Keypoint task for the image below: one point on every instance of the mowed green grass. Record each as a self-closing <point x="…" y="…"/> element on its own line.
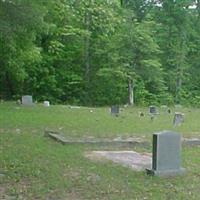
<point x="35" y="167"/>
<point x="96" y="122"/>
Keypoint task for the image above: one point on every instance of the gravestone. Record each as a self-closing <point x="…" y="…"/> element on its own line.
<point x="164" y="109"/>
<point x="153" y="110"/>
<point x="18" y="102"/>
<point x="178" y="119"/>
<point x="166" y="160"/>
<point x="27" y="100"/>
<point x="115" y="110"/>
<point x="178" y="106"/>
<point x="46" y="104"/>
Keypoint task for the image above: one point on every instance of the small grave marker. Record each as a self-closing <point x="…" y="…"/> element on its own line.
<point x="166" y="159"/>
<point x="46" y="104"/>
<point x="27" y="100"/>
<point x="153" y="110"/>
<point x="178" y="119"/>
<point x="178" y="106"/>
<point x="115" y="110"/>
<point x="18" y="102"/>
<point x="164" y="109"/>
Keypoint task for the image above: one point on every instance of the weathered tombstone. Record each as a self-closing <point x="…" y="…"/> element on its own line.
<point x="18" y="102"/>
<point x="46" y="104"/>
<point x="166" y="160"/>
<point x="153" y="110"/>
<point x="27" y="100"/>
<point x="115" y="110"/>
<point x="178" y="106"/>
<point x="178" y="119"/>
<point x="164" y="109"/>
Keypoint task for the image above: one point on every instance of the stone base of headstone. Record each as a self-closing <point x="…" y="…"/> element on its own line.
<point x="166" y="173"/>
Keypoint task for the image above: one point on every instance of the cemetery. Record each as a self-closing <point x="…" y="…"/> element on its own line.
<point x="69" y="152"/>
<point x="99" y="100"/>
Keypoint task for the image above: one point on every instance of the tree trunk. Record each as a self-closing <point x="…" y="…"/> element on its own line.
<point x="87" y="47"/>
<point x="130" y="92"/>
<point x="178" y="85"/>
<point x="180" y="69"/>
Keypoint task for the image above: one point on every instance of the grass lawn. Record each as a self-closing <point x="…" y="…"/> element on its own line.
<point x="35" y="167"/>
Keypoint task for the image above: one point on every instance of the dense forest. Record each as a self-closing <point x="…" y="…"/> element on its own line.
<point x="101" y="52"/>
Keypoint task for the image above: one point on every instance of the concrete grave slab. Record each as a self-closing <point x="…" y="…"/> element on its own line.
<point x="191" y="141"/>
<point x="132" y="159"/>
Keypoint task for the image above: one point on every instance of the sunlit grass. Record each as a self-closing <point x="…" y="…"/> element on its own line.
<point x="97" y="122"/>
<point x="34" y="167"/>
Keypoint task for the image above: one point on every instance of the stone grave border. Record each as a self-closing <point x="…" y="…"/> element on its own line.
<point x="57" y="136"/>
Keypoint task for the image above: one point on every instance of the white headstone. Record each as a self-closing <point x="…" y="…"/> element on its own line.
<point x="178" y="119"/>
<point x="46" y="103"/>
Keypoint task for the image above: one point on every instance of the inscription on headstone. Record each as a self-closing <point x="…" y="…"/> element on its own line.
<point x="27" y="100"/>
<point x="115" y="110"/>
<point x="166" y="159"/>
<point x="178" y="119"/>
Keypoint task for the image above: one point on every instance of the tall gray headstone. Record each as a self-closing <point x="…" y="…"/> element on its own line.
<point x="27" y="100"/>
<point x="115" y="110"/>
<point x="166" y="160"/>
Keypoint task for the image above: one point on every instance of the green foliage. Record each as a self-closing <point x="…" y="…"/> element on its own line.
<point x="87" y="52"/>
<point x="110" y="87"/>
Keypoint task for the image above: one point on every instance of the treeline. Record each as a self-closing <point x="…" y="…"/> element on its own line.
<point x="101" y="52"/>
